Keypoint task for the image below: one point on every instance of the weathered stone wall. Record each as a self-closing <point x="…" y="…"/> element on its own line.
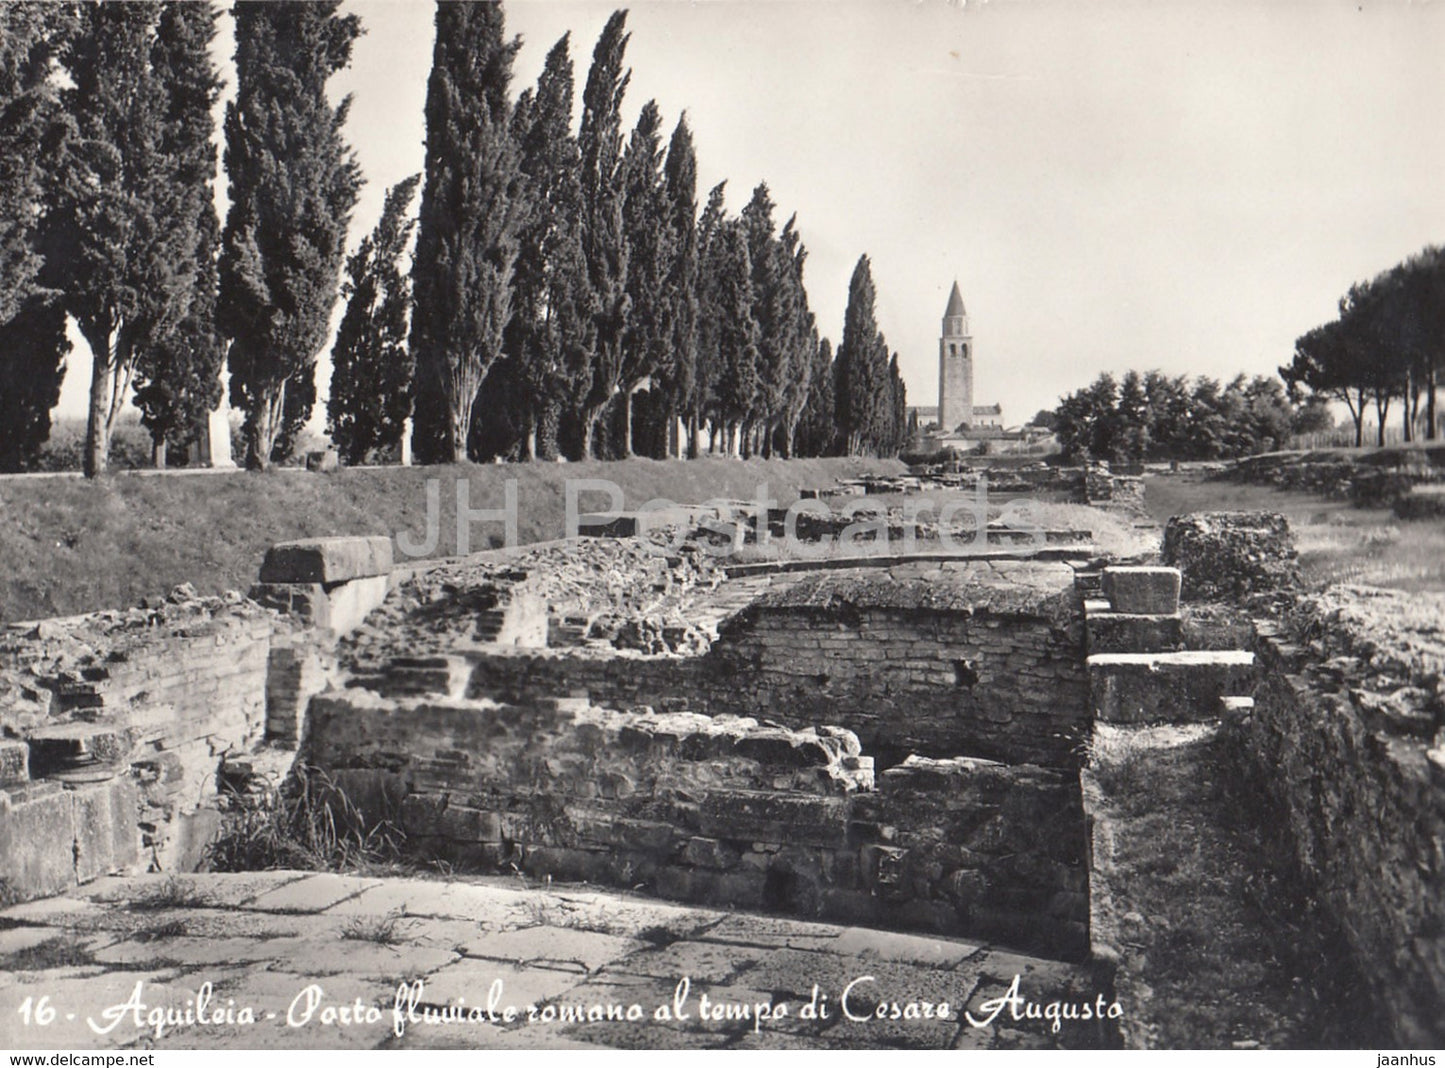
<point x="1370" y="480"/>
<point x="1348" y="735"/>
<point x="1231" y="555"/>
<point x="717" y="810"/>
<point x="123" y="718"/>
<point x="986" y="660"/>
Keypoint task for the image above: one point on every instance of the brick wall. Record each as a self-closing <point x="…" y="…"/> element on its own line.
<point x="911" y="666"/>
<point x="133" y="709"/>
<point x="717" y="810"/>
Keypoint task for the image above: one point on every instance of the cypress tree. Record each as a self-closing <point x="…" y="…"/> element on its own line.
<point x="125" y="219"/>
<point x="861" y="369"/>
<point x="472" y="213"/>
<point x="548" y="331"/>
<point x="648" y="228"/>
<point x="800" y="335"/>
<point x="33" y="342"/>
<point x="371" y="367"/>
<point x="707" y="371"/>
<point x="818" y="425"/>
<point x="178" y="374"/>
<point x="293" y="185"/>
<point x="33" y="345"/>
<point x="679" y="372"/>
<point x="30" y="128"/>
<point x="604" y="237"/>
<point x="737" y="331"/>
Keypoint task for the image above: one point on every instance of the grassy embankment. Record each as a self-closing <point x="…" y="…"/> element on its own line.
<point x="1337" y="542"/>
<point x="75" y="546"/>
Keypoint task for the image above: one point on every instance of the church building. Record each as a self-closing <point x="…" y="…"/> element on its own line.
<point x="957" y="415"/>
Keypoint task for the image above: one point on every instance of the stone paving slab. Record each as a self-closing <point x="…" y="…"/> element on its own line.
<point x="295" y="960"/>
<point x="312" y="894"/>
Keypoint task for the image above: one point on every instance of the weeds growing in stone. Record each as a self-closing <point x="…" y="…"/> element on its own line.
<point x="172" y="893"/>
<point x="59" y="952"/>
<point x="383" y="930"/>
<point x="310" y="823"/>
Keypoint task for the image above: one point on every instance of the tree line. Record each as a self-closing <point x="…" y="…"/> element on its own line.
<point x="1386" y="344"/>
<point x="1155" y="416"/>
<point x="564" y="296"/>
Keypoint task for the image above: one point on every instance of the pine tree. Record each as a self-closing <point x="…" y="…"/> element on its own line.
<point x="371" y="368"/>
<point x="679" y="373"/>
<point x="293" y="185"/>
<point x="547" y="337"/>
<point x="178" y="373"/>
<point x="472" y="213"/>
<point x="861" y="369"/>
<point x="126" y="211"/>
<point x="604" y="237"/>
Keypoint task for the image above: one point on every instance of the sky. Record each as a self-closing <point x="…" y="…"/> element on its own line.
<point x="1186" y="185"/>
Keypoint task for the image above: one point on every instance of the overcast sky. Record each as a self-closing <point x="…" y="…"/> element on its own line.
<point x="1181" y="185"/>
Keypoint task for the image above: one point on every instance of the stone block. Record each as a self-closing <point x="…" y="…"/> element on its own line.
<point x="14" y="762"/>
<point x="710" y="853"/>
<point x="1147" y="591"/>
<point x="1183" y="687"/>
<point x="327" y="560"/>
<point x="37" y="840"/>
<point x="307" y="601"/>
<point x="106" y="836"/>
<point x="352" y="601"/>
<point x="764" y="816"/>
<point x="1115" y="632"/>
<point x="78" y="749"/>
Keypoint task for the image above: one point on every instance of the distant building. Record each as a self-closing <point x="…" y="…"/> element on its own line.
<point x="957" y="417"/>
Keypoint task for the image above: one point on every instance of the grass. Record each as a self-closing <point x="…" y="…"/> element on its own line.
<point x="383" y="930"/>
<point x="75" y="546"/>
<point x="311" y="824"/>
<point x="58" y="952"/>
<point x="172" y="893"/>
<point x="1337" y="542"/>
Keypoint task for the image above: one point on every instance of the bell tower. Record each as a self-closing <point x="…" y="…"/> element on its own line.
<point x="955" y="367"/>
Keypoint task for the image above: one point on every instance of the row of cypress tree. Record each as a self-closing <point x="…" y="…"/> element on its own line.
<point x="564" y="296"/>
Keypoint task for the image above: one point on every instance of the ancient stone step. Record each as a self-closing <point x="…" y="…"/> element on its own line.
<point x="1121" y="632"/>
<point x="1181" y="687"/>
<point x="1143" y="590"/>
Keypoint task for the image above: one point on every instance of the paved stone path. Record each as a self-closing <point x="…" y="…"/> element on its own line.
<point x="284" y="960"/>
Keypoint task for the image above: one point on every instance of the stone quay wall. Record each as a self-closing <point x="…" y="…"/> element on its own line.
<point x="115" y="725"/>
<point x="717" y="810"/>
<point x="1347" y="735"/>
<point x="909" y="666"/>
